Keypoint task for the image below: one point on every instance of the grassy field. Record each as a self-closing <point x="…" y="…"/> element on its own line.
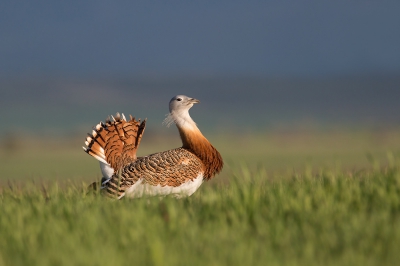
<point x="282" y="199"/>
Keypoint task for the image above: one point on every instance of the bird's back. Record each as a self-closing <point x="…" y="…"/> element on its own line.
<point x="177" y="172"/>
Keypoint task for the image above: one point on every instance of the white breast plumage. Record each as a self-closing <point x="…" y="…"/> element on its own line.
<point x="143" y="189"/>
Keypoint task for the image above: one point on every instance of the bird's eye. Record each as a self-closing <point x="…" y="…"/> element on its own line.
<point x="179" y="99"/>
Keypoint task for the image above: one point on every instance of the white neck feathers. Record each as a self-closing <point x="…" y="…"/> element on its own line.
<point x="182" y="120"/>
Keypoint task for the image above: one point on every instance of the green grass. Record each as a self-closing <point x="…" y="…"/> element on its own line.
<point x="313" y="203"/>
<point x="303" y="219"/>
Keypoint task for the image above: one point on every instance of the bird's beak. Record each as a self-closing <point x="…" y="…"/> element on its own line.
<point x="194" y="100"/>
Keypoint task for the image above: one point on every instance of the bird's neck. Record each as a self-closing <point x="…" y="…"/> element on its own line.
<point x="192" y="138"/>
<point x="194" y="141"/>
<point x="190" y="134"/>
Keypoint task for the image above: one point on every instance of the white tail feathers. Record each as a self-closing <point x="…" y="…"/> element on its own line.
<point x="106" y="170"/>
<point x="100" y="157"/>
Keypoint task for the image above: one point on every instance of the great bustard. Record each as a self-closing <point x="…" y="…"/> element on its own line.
<point x="178" y="172"/>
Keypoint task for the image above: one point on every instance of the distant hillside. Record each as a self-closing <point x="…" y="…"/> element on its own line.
<point x="55" y="104"/>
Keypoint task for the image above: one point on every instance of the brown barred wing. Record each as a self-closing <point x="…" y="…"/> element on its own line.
<point x="171" y="168"/>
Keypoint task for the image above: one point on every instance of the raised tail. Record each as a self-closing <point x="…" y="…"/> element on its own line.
<point x="115" y="142"/>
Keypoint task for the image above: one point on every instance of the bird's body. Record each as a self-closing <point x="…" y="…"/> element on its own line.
<point x="178" y="172"/>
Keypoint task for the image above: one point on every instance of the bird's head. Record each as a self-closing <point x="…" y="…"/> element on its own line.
<point x="181" y="103"/>
<point x="179" y="111"/>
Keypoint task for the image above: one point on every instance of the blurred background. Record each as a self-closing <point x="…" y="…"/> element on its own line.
<point x="281" y="83"/>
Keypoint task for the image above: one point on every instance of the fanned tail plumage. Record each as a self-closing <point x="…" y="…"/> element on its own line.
<point x="116" y="141"/>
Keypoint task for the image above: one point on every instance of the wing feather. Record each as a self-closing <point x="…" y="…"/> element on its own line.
<point x="169" y="168"/>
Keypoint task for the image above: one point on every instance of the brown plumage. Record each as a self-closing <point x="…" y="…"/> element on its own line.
<point x="178" y="172"/>
<point x="115" y="142"/>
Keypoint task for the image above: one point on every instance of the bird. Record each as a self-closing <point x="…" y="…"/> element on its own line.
<point x="177" y="172"/>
